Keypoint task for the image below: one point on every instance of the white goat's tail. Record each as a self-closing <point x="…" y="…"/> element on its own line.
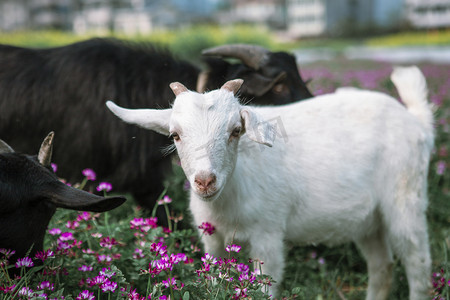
<point x="412" y="88"/>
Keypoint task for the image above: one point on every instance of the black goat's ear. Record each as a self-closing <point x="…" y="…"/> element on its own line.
<point x="68" y="197"/>
<point x="45" y="152"/>
<point x="5" y="148"/>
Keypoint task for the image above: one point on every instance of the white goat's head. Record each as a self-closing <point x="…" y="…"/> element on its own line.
<point x="206" y="129"/>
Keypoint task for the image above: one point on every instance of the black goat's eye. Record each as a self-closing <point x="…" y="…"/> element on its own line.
<point x="236" y="132"/>
<point x="175" y="136"/>
<point x="279" y="88"/>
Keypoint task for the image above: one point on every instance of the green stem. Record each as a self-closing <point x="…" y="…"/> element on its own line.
<point x="166" y="207"/>
<point x="149" y="282"/>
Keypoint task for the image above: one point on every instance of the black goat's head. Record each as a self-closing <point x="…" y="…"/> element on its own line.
<point x="30" y="192"/>
<point x="269" y="77"/>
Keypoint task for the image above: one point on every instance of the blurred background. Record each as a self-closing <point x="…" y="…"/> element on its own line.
<point x="329" y="27"/>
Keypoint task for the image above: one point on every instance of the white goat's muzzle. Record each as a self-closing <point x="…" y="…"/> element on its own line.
<point x="205" y="184"/>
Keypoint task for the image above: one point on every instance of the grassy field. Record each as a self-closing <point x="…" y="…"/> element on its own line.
<point x="122" y="243"/>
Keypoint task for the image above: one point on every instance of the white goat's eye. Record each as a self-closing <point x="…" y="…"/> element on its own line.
<point x="175" y="136"/>
<point x="236" y="132"/>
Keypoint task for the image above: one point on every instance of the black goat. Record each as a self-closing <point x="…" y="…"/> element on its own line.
<point x="66" y="89"/>
<point x="30" y="192"/>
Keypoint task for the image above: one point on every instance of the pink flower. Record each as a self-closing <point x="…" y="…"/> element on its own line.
<point x="43" y="255"/>
<point x="55" y="231"/>
<point x="233" y="248"/>
<point x="89" y="174"/>
<point x="46" y="285"/>
<point x="85" y="268"/>
<point x="86" y="295"/>
<point x="66" y="236"/>
<point x="54" y="167"/>
<point x="24" y="262"/>
<point x="84" y="216"/>
<point x="441" y="166"/>
<point x="169" y="282"/>
<point x="165" y="200"/>
<point x="208" y="229"/>
<point x="108" y="242"/>
<point x="104" y="186"/>
<point x="108" y="286"/>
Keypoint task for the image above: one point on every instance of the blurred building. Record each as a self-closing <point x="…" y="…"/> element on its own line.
<point x="428" y="14"/>
<point x="269" y="13"/>
<point x="338" y="17"/>
<point x="296" y="18"/>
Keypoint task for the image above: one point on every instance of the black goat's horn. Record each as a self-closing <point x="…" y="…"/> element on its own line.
<point x="251" y="55"/>
<point x="45" y="152"/>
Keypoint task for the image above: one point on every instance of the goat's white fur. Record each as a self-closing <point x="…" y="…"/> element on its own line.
<point x="351" y="166"/>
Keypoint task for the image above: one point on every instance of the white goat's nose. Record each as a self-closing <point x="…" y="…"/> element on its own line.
<point x="205" y="182"/>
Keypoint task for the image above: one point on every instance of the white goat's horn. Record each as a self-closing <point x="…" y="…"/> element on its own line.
<point x="45" y="152"/>
<point x="178" y="88"/>
<point x="5" y="148"/>
<point x="233" y="85"/>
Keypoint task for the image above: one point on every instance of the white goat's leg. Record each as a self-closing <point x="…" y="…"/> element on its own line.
<point x="269" y="248"/>
<point x="379" y="264"/>
<point x="411" y="245"/>
<point x="214" y="244"/>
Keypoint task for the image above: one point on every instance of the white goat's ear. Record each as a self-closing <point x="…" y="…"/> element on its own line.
<point x="256" y="128"/>
<point x="153" y="119"/>
<point x="5" y="148"/>
<point x="232" y="85"/>
<point x="178" y="88"/>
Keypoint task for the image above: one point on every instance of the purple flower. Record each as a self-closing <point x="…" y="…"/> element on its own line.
<point x="7" y="252"/>
<point x="243" y="268"/>
<point x="209" y="259"/>
<point x="43" y="255"/>
<point x="26" y="291"/>
<point x="108" y="242"/>
<point x="84" y="216"/>
<point x="86" y="295"/>
<point x="54" y="167"/>
<point x="169" y="282"/>
<point x="46" y="285"/>
<point x="104" y="186"/>
<point x="208" y="229"/>
<point x="24" y="262"/>
<point x="440" y="168"/>
<point x="233" y="248"/>
<point x="66" y="236"/>
<point x="89" y="174"/>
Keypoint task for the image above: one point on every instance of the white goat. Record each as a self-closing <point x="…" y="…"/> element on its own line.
<point x="348" y="166"/>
